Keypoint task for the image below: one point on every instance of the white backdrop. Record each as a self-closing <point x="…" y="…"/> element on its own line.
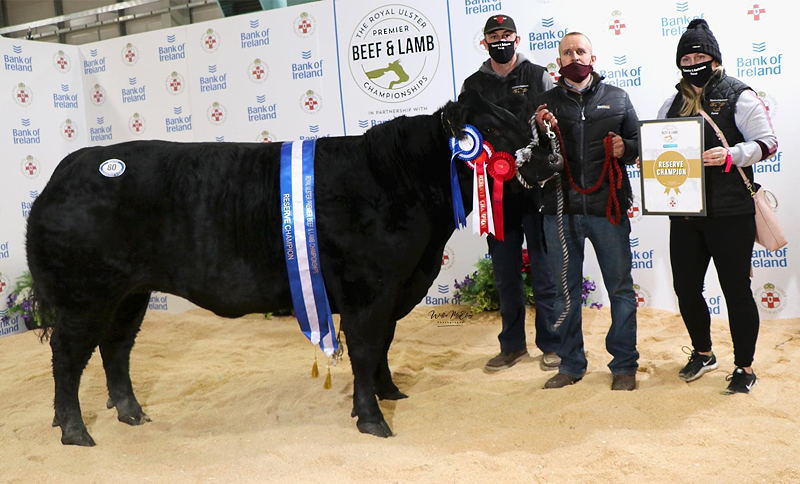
<point x="338" y="67"/>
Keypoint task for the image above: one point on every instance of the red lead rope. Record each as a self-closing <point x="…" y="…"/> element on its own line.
<point x="611" y="170"/>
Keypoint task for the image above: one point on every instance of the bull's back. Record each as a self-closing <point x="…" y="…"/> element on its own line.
<point x="194" y="219"/>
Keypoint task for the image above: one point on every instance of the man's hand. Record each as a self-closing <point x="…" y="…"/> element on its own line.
<point x="542" y="115"/>
<point x="618" y="147"/>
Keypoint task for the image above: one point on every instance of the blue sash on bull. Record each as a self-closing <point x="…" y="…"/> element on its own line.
<point x="300" y="245"/>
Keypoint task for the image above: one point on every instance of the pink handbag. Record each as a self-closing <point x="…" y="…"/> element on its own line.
<point x="769" y="233"/>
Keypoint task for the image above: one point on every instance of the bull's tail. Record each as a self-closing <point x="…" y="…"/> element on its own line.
<point x="43" y="318"/>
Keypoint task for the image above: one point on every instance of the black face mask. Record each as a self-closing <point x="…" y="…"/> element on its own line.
<point x="501" y="51"/>
<point x="698" y="74"/>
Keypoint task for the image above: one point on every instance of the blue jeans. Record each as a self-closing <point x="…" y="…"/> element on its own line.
<point x="612" y="247"/>
<point x="506" y="263"/>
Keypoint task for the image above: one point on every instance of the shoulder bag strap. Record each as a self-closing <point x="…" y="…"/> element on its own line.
<point x="724" y="141"/>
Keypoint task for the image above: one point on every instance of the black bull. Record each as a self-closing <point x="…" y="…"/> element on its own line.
<point x="202" y="221"/>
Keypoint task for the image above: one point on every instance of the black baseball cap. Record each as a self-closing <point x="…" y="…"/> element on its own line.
<point x="499" y="22"/>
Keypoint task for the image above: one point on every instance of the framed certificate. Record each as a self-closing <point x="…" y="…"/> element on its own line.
<point x="672" y="166"/>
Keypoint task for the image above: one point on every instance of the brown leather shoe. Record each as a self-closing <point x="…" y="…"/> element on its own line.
<point x="561" y="380"/>
<point x="505" y="360"/>
<point x="624" y="382"/>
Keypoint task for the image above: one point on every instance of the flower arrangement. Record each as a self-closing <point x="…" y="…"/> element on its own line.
<point x="478" y="290"/>
<point x="21" y="302"/>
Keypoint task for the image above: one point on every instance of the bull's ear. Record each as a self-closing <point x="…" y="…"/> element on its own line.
<point x="471" y="99"/>
<point x="454" y="116"/>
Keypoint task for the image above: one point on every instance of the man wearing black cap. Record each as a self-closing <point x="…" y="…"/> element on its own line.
<point x="505" y="74"/>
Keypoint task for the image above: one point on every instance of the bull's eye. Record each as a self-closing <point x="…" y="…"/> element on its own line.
<point x="491" y="131"/>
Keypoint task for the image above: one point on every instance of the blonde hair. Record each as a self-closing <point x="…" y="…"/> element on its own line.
<point x="693" y="100"/>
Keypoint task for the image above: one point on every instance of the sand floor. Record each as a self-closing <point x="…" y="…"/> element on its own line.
<point x="232" y="401"/>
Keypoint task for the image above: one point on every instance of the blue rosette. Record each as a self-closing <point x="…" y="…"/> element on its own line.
<point x="466" y="148"/>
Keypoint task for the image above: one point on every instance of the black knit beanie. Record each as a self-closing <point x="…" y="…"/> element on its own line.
<point x="698" y="38"/>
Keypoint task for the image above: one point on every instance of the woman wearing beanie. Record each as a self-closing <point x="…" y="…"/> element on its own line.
<point x="727" y="233"/>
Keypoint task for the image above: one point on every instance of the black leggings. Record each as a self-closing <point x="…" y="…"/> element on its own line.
<point x="693" y="241"/>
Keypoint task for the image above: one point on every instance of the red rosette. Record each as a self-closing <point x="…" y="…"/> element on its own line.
<point x="502" y="166"/>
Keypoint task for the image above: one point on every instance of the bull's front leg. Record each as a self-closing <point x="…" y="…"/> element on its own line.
<point x="366" y="354"/>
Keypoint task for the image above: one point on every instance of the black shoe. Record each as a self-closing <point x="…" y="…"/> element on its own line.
<point x="624" y="382"/>
<point x="561" y="380"/>
<point x="505" y="360"/>
<point x="697" y="366"/>
<point x="740" y="381"/>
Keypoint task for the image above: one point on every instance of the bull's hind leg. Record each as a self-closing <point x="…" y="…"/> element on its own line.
<point x="116" y="350"/>
<point x="384" y="385"/>
<point x="365" y="346"/>
<point x="72" y="343"/>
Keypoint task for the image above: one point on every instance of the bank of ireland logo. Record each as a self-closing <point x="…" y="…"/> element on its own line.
<point x="770" y="298"/>
<point x="4" y="286"/>
<point x="130" y="54"/>
<point x="98" y="95"/>
<point x="22" y="94"/>
<point x="635" y="210"/>
<point x="68" y="130"/>
<point x="448" y="258"/>
<point x="769" y="103"/>
<point x="756" y="12"/>
<point x="393" y="53"/>
<point x="61" y="61"/>
<point x="616" y="26"/>
<point x="310" y="102"/>
<point x="552" y="69"/>
<point x="210" y="41"/>
<point x="265" y="137"/>
<point x="641" y="296"/>
<point x="217" y="113"/>
<point x="175" y="83"/>
<point x="476" y="42"/>
<point x="30" y="167"/>
<point x="304" y="25"/>
<point x="257" y="71"/>
<point x="136" y="124"/>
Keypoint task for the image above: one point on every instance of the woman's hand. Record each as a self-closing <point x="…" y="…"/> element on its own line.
<point x="716" y="156"/>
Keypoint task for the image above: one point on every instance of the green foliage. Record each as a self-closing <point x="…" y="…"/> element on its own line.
<point x="479" y="292"/>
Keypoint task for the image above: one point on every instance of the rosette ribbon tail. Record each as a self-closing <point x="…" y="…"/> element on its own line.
<point x="501" y="168"/>
<point x="459" y="216"/>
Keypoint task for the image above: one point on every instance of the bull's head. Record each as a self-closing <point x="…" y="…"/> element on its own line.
<point x="498" y="125"/>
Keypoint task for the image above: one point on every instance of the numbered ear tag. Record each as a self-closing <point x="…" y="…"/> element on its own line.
<point x="112" y="168"/>
<point x="470" y="145"/>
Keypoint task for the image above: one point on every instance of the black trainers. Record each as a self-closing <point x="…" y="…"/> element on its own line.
<point x="698" y="365"/>
<point x="505" y="360"/>
<point x="740" y="381"/>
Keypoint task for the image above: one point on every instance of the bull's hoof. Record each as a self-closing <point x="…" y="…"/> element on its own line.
<point x="110" y="403"/>
<point x="394" y="394"/>
<point x="134" y="419"/>
<point x="77" y="437"/>
<point x="379" y="429"/>
<point x="57" y="422"/>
